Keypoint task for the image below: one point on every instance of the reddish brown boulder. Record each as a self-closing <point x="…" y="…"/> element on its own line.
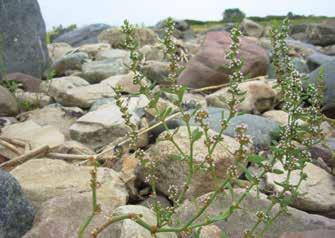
<point x="29" y="83"/>
<point x="207" y="67"/>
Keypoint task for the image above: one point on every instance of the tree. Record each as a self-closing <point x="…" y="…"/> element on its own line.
<point x="233" y="15"/>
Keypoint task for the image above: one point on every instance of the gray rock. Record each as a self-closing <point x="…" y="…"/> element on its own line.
<point x="84" y="35"/>
<point x="23" y="36"/>
<point x="157" y="72"/>
<point x="317" y="59"/>
<point x="69" y="62"/>
<point x="16" y="211"/>
<point x="259" y="128"/>
<point x="183" y="29"/>
<point x="8" y="104"/>
<point x="329" y="80"/>
<point x="97" y="71"/>
<point x="316" y="34"/>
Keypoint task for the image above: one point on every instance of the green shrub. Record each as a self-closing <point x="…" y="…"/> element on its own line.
<point x="292" y="157"/>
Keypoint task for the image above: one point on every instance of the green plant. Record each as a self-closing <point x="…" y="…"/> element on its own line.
<point x="285" y="153"/>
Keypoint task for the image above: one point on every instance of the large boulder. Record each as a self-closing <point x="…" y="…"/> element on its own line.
<point x="24" y="35"/>
<point x="16" y="211"/>
<point x="171" y="171"/>
<point x="84" y="35"/>
<point x="206" y="68"/>
<point x="329" y="80"/>
<point x="244" y="218"/>
<point x="43" y="179"/>
<point x="116" y="38"/>
<point x="8" y="104"/>
<point x="316" y="34"/>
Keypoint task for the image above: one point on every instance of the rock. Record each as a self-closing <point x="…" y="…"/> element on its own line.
<point x="130" y="229"/>
<point x="309" y="234"/>
<point x="161" y="199"/>
<point x="84" y="35"/>
<point x="97" y="71"/>
<point x="211" y="231"/>
<point x="277" y="115"/>
<point x="190" y="100"/>
<point x="93" y="49"/>
<point x="329" y="50"/>
<point x="62" y="216"/>
<point x="329" y="81"/>
<point x="125" y="81"/>
<point x="259" y="128"/>
<point x="69" y="63"/>
<point x="157" y="72"/>
<point x="74" y="147"/>
<point x="182" y="29"/>
<point x="5" y="121"/>
<point x="100" y="127"/>
<point x="35" y="134"/>
<point x="23" y="48"/>
<point x="85" y="96"/>
<point x="251" y="28"/>
<point x="16" y="212"/>
<point x="316" y="34"/>
<point x="8" y="104"/>
<point x="28" y="101"/>
<point x="317" y="192"/>
<point x="113" y="54"/>
<point x="60" y="88"/>
<point x="303" y="48"/>
<point x="53" y="115"/>
<point x="153" y="52"/>
<point x="116" y="38"/>
<point x="325" y="152"/>
<point x="299" y="64"/>
<point x="205" y="68"/>
<point x="245" y="218"/>
<point x="259" y="97"/>
<point x="29" y="83"/>
<point x="170" y="171"/>
<point x="317" y="59"/>
<point x="58" y="50"/>
<point x="43" y="179"/>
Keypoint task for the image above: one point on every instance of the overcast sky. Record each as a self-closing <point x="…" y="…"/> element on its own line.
<point x="113" y="12"/>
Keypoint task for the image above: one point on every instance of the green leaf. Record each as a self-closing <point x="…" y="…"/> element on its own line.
<point x="277" y="171"/>
<point x="223" y="235"/>
<point x="196" y="135"/>
<point x="257" y="159"/>
<point x="175" y="157"/>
